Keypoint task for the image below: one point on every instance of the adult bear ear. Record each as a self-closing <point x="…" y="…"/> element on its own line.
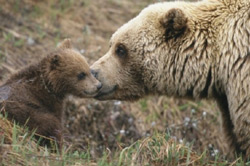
<point x="174" y="22"/>
<point x="65" y="44"/>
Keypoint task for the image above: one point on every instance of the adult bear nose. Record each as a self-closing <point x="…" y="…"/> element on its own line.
<point x="94" y="73"/>
<point x="99" y="86"/>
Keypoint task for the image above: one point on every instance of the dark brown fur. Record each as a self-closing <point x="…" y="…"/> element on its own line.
<point x="34" y="95"/>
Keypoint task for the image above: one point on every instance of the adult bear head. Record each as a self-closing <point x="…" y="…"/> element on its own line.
<point x="142" y="56"/>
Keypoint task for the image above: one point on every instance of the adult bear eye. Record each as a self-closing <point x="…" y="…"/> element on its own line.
<point x="81" y="76"/>
<point x="121" y="51"/>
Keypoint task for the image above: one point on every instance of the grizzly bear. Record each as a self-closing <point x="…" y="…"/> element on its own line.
<point x="34" y="95"/>
<point x="185" y="49"/>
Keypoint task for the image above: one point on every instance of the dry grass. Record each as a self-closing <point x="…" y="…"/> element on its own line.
<point x="19" y="148"/>
<point x="6" y="130"/>
<point x="162" y="150"/>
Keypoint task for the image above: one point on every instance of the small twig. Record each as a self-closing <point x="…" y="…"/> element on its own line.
<point x="9" y="68"/>
<point x="110" y="10"/>
<point x="233" y="163"/>
<point x="14" y="33"/>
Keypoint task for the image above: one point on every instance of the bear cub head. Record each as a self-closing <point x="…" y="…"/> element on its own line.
<point x="65" y="71"/>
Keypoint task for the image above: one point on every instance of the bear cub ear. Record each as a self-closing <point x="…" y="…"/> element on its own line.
<point x="65" y="44"/>
<point x="175" y="23"/>
<point x="54" y="61"/>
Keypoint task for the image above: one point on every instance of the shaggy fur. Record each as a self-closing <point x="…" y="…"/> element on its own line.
<point x="34" y="95"/>
<point x="182" y="49"/>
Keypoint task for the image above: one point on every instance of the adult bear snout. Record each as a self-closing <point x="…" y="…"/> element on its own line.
<point x="99" y="86"/>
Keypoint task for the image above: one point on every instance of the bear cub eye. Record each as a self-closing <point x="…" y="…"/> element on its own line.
<point x="81" y="76"/>
<point x="121" y="51"/>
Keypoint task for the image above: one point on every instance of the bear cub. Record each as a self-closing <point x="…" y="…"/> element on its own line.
<point x="34" y="96"/>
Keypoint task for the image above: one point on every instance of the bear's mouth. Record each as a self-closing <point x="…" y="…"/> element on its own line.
<point x="90" y="94"/>
<point x="105" y="92"/>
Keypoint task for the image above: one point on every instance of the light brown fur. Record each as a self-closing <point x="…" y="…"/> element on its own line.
<point x="195" y="50"/>
<point x="34" y="95"/>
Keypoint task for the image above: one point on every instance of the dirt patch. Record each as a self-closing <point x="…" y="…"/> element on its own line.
<point x="100" y="125"/>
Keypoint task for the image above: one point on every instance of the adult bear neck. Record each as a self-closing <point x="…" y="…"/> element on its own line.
<point x="185" y="69"/>
<point x="235" y="5"/>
